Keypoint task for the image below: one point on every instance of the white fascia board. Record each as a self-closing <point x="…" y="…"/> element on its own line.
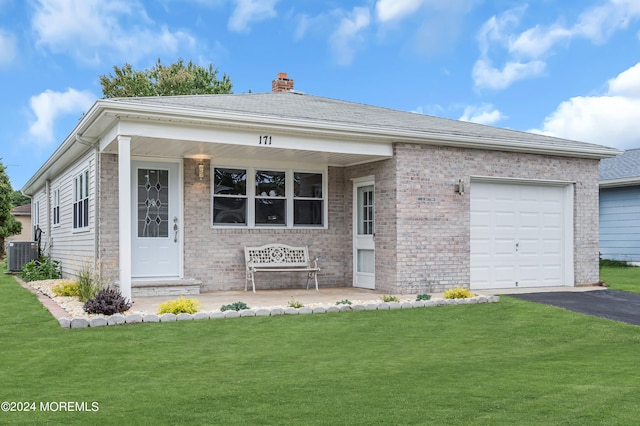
<point x="615" y="183"/>
<point x="251" y="137"/>
<point x="345" y="130"/>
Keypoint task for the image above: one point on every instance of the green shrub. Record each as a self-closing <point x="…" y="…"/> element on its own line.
<point x="180" y="306"/>
<point x="66" y="288"/>
<point x="457" y="293"/>
<point x="343" y="302"/>
<point x="423" y="296"/>
<point x="389" y="298"/>
<point x="235" y="306"/>
<point x="89" y="283"/>
<point x="295" y="303"/>
<point x="107" y="301"/>
<point x="43" y="268"/>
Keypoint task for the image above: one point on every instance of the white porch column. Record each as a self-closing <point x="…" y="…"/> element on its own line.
<point x="124" y="213"/>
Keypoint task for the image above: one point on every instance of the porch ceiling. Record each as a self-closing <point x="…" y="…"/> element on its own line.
<point x="171" y="148"/>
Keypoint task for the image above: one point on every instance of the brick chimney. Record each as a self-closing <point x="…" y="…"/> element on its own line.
<point x="282" y="83"/>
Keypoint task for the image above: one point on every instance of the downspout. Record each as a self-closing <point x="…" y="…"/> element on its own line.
<point x="47" y="192"/>
<point x="96" y="239"/>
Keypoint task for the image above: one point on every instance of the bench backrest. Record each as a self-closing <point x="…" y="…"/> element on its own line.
<point x="276" y="255"/>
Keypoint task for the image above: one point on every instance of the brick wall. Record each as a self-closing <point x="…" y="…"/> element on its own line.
<point x="386" y="255"/>
<point x="433" y="221"/>
<point x="107" y="224"/>
<point x="424" y="247"/>
<point x="216" y="256"/>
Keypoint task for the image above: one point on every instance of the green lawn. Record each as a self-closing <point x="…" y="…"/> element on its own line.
<point x="507" y="363"/>
<point x="624" y="278"/>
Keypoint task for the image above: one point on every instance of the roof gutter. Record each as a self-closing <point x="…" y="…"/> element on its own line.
<point x="621" y="182"/>
<point x="386" y="134"/>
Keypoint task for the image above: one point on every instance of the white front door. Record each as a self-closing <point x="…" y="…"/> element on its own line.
<point x="520" y="235"/>
<point x="155" y="241"/>
<point x="364" y="273"/>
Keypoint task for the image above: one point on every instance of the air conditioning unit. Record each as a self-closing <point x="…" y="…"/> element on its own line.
<point x="20" y="253"/>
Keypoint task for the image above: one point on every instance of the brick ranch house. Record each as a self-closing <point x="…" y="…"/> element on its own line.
<point x="167" y="191"/>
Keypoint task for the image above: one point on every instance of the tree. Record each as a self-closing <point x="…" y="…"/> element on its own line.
<point x="8" y="224"/>
<point x="19" y="199"/>
<point x="162" y="80"/>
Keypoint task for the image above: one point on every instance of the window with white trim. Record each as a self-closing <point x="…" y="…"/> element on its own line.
<point x="55" y="206"/>
<point x="81" y="200"/>
<point x="263" y="197"/>
<point x="36" y="215"/>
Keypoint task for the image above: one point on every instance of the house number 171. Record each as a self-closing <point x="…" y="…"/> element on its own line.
<point x="264" y="140"/>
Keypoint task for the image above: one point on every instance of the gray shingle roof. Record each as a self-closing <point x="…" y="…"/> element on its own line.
<point x="298" y="106"/>
<point x="623" y="166"/>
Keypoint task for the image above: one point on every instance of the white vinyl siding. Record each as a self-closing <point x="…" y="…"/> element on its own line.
<point x="64" y="243"/>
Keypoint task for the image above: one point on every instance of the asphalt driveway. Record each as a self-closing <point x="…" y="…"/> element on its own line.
<point x="610" y="304"/>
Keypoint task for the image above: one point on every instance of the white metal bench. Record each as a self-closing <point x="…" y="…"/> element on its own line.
<point x="279" y="258"/>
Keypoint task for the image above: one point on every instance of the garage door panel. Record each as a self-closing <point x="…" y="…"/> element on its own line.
<point x="517" y="236"/>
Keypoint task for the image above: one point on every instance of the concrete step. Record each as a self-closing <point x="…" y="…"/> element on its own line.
<point x="177" y="287"/>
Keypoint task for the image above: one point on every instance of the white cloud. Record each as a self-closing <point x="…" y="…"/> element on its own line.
<point x="344" y="39"/>
<point x="49" y="105"/>
<point x="612" y="119"/>
<point x="248" y="11"/>
<point x="390" y="10"/>
<point x="8" y="48"/>
<point x="525" y="51"/>
<point x="536" y="42"/>
<point x="482" y="114"/>
<point x="487" y="76"/>
<point x="600" y="22"/>
<point x="94" y="30"/>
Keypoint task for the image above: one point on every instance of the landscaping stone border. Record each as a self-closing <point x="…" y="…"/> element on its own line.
<point x="136" y="318"/>
<point x="118" y="319"/>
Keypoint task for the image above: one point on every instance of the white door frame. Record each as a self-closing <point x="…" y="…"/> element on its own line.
<point x="177" y="211"/>
<point x="363" y="242"/>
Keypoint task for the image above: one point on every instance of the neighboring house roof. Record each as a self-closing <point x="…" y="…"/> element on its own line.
<point x="21" y="210"/>
<point x="303" y="114"/>
<point x="623" y="170"/>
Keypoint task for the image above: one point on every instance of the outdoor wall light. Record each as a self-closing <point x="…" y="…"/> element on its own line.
<point x="200" y="171"/>
<point x="460" y="187"/>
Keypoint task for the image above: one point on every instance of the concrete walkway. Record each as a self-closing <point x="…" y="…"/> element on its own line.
<point x="264" y="298"/>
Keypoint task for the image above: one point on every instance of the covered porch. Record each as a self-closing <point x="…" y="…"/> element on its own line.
<point x="195" y="150"/>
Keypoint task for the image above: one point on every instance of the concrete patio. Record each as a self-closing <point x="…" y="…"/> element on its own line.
<point x="267" y="298"/>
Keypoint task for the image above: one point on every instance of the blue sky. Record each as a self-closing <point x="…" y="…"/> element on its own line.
<point x="569" y="68"/>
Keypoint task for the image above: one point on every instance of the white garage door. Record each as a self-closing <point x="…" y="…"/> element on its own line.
<point x="519" y="236"/>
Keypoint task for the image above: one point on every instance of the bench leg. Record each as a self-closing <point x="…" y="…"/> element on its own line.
<point x="253" y="283"/>
<point x="315" y="277"/>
